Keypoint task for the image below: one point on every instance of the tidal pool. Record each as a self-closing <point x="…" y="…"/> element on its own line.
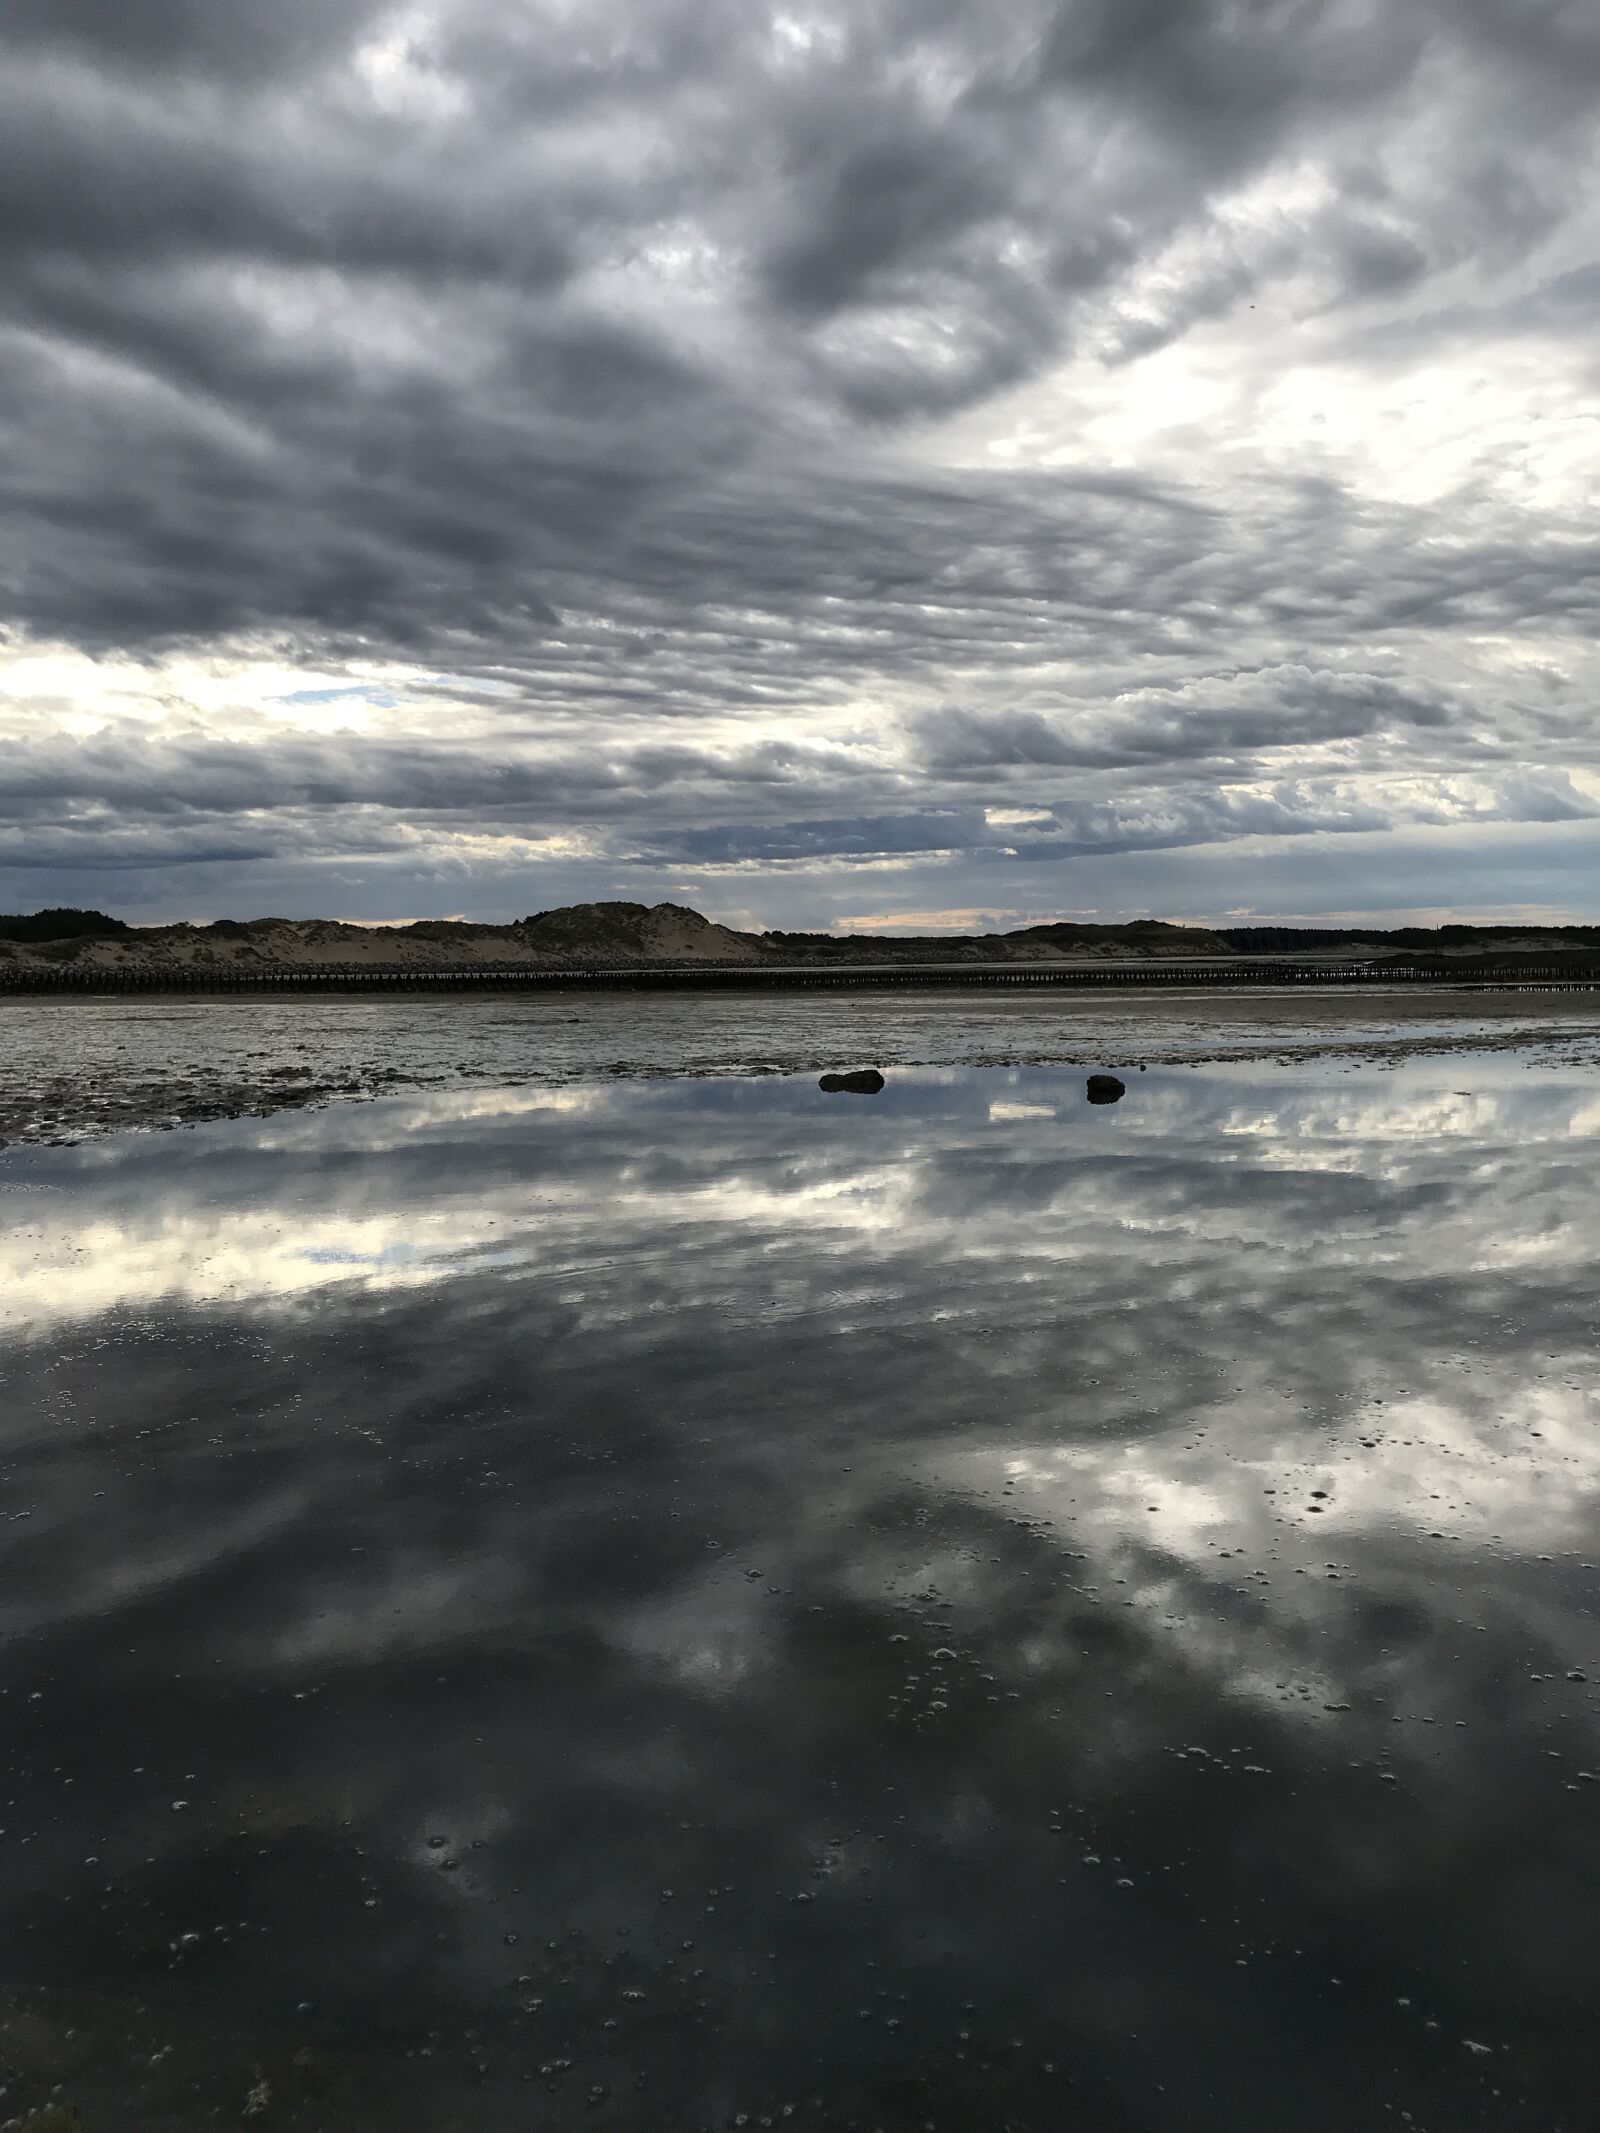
<point x="698" y="1603"/>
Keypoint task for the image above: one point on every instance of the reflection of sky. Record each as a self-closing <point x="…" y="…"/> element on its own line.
<point x="1201" y="1157"/>
<point x="889" y="1503"/>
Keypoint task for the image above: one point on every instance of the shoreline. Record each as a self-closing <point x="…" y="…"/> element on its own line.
<point x="156" y="1065"/>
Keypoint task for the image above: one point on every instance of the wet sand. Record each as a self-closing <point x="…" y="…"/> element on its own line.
<point x="71" y="1069"/>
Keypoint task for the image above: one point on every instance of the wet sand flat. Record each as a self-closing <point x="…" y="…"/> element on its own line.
<point x="74" y="1067"/>
<point x="671" y="1603"/>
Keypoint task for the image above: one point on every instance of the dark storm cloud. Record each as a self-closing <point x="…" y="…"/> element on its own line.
<point x="223" y="37"/>
<point x="565" y="351"/>
<point x="203" y="775"/>
<point x="1216" y="715"/>
<point x="873" y="835"/>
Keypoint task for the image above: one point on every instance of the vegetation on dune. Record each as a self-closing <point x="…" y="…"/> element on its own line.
<point x="1269" y="940"/>
<point x="625" y="933"/>
<point x="60" y="925"/>
<point x="452" y="929"/>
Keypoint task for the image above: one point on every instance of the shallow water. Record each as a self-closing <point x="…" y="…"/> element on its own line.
<point x="697" y="1603"/>
<point x="71" y="1067"/>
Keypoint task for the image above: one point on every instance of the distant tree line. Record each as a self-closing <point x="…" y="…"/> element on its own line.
<point x="59" y="925"/>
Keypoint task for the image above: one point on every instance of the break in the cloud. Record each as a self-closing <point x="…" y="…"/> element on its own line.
<point x="871" y="456"/>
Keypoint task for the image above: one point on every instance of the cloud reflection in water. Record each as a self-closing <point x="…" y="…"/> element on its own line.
<point x="853" y="1575"/>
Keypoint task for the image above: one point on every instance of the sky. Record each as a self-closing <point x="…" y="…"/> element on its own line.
<point x="898" y="463"/>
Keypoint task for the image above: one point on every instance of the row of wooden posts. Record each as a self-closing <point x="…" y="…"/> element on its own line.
<point x="1559" y="975"/>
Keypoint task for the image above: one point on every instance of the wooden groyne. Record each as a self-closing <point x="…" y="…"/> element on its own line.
<point x="1544" y="975"/>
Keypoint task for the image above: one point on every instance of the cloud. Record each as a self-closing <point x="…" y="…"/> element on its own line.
<point x="1291" y="706"/>
<point x="221" y="38"/>
<point x="895" y="403"/>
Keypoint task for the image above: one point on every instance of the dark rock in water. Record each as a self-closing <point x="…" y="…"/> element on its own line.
<point x="1106" y="1089"/>
<point x="865" y="1081"/>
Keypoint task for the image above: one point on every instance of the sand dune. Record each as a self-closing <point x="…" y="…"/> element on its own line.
<point x="619" y="935"/>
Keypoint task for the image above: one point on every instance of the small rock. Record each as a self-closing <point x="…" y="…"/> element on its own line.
<point x="1106" y="1089"/>
<point x="862" y="1081"/>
